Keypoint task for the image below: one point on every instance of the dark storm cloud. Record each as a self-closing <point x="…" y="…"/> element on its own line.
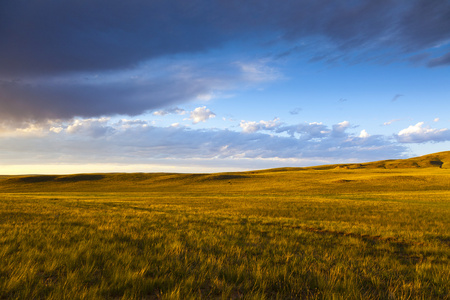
<point x="57" y="38"/>
<point x="425" y="23"/>
<point x="62" y="36"/>
<point x="39" y="101"/>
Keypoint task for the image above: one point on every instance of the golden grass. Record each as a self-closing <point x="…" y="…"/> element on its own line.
<point x="316" y="233"/>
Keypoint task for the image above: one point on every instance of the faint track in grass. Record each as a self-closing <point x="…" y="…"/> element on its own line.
<point x="365" y="237"/>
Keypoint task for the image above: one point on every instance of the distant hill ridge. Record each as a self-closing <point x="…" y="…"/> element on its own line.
<point x="407" y="173"/>
<point x="78" y="182"/>
<point x="439" y="160"/>
<point x="434" y="160"/>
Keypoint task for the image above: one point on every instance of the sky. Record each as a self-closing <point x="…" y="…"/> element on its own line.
<point x="220" y="85"/>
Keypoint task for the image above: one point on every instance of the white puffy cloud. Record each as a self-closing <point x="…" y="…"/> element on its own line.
<point x="252" y="126"/>
<point x="56" y="129"/>
<point x="32" y="129"/>
<point x="364" y="134"/>
<point x="201" y="114"/>
<point x="89" y="127"/>
<point x="340" y="128"/>
<point x="420" y="134"/>
<point x="306" y="130"/>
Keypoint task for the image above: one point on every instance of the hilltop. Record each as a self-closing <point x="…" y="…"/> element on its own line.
<point x="434" y="160"/>
<point x="439" y="159"/>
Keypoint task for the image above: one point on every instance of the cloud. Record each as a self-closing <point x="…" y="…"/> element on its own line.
<point x="390" y="122"/>
<point x="68" y="97"/>
<point x="90" y="36"/>
<point x="136" y="141"/>
<point x="201" y="114"/>
<point x="205" y="97"/>
<point x="443" y="60"/>
<point x="258" y="71"/>
<point x="174" y="110"/>
<point x="420" y="134"/>
<point x="85" y="59"/>
<point x="88" y="127"/>
<point x="395" y="98"/>
<point x="306" y="131"/>
<point x="340" y="128"/>
<point x="419" y="59"/>
<point x="364" y="134"/>
<point x="295" y="111"/>
<point x="130" y="123"/>
<point x="251" y="126"/>
<point x="153" y="86"/>
<point x="312" y="132"/>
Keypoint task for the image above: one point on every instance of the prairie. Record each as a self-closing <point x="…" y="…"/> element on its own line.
<point x="377" y="230"/>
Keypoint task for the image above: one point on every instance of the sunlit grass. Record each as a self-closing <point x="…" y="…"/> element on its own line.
<point x="371" y="234"/>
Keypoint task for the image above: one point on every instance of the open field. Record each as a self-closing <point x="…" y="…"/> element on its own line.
<point x="372" y="231"/>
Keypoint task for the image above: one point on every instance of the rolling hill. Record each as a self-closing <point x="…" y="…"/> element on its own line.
<point x="270" y="180"/>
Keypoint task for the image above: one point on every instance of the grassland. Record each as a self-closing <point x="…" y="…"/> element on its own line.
<point x="373" y="231"/>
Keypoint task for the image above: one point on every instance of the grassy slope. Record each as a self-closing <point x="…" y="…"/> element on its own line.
<point x="376" y="230"/>
<point x="286" y="179"/>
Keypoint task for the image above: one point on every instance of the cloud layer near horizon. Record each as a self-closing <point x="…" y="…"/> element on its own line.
<point x="262" y="144"/>
<point x="139" y="141"/>
<point x="74" y="40"/>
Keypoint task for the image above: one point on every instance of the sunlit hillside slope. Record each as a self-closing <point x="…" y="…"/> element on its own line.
<point x="439" y="160"/>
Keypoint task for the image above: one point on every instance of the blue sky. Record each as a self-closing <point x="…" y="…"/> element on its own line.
<point x="208" y="86"/>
